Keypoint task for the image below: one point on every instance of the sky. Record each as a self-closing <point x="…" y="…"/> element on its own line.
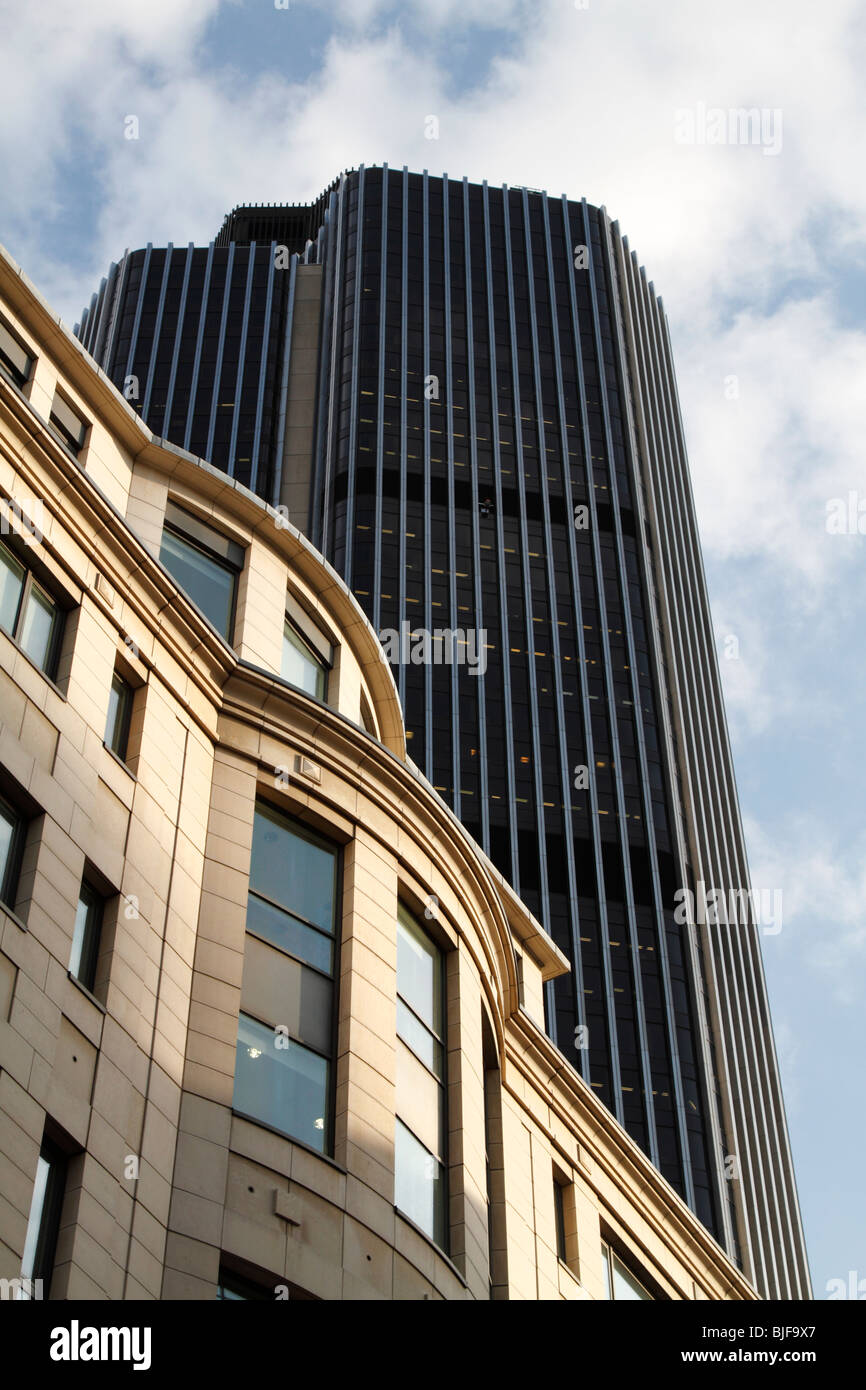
<point x="757" y="246"/>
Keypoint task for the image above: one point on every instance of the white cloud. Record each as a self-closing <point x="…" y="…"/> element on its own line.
<point x="585" y="105"/>
<point x="824" y="898"/>
<point x="774" y="423"/>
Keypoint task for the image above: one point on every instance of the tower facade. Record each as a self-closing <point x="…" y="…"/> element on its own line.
<point x="465" y="397"/>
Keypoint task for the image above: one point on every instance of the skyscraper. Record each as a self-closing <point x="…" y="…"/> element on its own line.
<point x="465" y="396"/>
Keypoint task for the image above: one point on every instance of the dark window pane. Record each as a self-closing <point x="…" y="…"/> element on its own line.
<point x="559" y="1211"/>
<point x="15" y="361"/>
<point x="40" y="1242"/>
<point x="232" y="1287"/>
<point x="11" y="584"/>
<point x="119" y="709"/>
<point x="85" y="936"/>
<point x="10" y="825"/>
<point x="67" y="424"/>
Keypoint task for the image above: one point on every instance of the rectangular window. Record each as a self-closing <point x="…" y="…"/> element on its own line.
<point x="43" y="1224"/>
<point x="367" y="720"/>
<point x="559" y="1214"/>
<point x="420" y="1165"/>
<point x="281" y="1083"/>
<point x="565" y="1220"/>
<point x="258" y="1287"/>
<point x="292" y="893"/>
<point x="619" y="1281"/>
<point x="284" y="1067"/>
<point x="119" y="713"/>
<point x="67" y="424"/>
<point x="235" y="1288"/>
<point x="11" y="845"/>
<point x="16" y="363"/>
<point x="301" y="665"/>
<point x="28" y="613"/>
<point x="204" y="564"/>
<point x="86" y="935"/>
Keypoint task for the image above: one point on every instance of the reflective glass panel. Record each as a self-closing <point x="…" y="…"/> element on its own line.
<point x="300" y="665"/>
<point x="11" y="582"/>
<point x="117" y="724"/>
<point x="281" y="1083"/>
<point x="297" y="873"/>
<point x="285" y="931"/>
<point x="7" y="836"/>
<point x="419" y="972"/>
<point x="419" y="1188"/>
<point x="37" y="627"/>
<point x="209" y="584"/>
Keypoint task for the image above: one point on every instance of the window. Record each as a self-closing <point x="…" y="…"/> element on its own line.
<point x="283" y="1068"/>
<point x="205" y="565"/>
<point x="86" y="935"/>
<point x="292" y="889"/>
<point x="28" y="613"/>
<point x="119" y="712"/>
<point x="620" y="1283"/>
<point x="493" y="1160"/>
<point x="367" y="720"/>
<point x="257" y="1287"/>
<point x="11" y="846"/>
<point x="233" y="1287"/>
<point x="559" y="1214"/>
<point x="302" y="666"/>
<point x="16" y="363"/>
<point x="565" y="1220"/>
<point x="420" y="1138"/>
<point x="281" y="1083"/>
<point x="67" y="424"/>
<point x="43" y="1224"/>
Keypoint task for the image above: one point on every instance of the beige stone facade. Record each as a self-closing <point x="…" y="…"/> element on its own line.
<point x="133" y="1078"/>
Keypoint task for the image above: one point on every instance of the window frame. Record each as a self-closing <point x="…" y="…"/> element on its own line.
<point x="301" y="642"/>
<point x="124" y="720"/>
<point x="60" y="428"/>
<point x="368" y="723"/>
<point x="559" y="1192"/>
<point x="441" y="1039"/>
<point x="43" y="1221"/>
<point x="12" y="868"/>
<point x="303" y="832"/>
<point x="91" y="935"/>
<point x="29" y="581"/>
<point x="306" y="833"/>
<point x="610" y="1255"/>
<point x="257" y="1293"/>
<point x="8" y="370"/>
<point x="223" y="552"/>
<point x="326" y="1151"/>
<point x="262" y="1285"/>
<point x="565" y="1219"/>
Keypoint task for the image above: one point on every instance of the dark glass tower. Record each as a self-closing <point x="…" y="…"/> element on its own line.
<point x="465" y="396"/>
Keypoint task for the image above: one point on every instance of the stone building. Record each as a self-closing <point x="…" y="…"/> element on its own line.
<point x="271" y="1023"/>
